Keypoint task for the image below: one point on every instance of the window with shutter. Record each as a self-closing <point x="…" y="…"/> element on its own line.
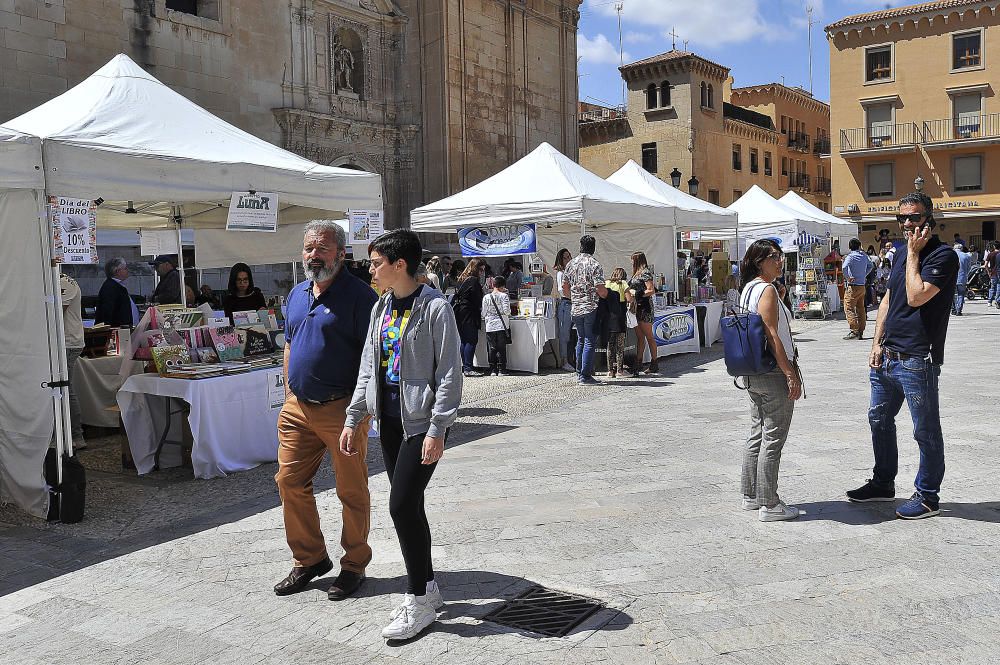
<point x="968" y="109"/>
<point x="880" y="179"/>
<point x="968" y="173"/>
<point x="880" y="122"/>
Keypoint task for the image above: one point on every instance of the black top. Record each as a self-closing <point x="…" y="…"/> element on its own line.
<point x="616" y="309"/>
<point x="114" y="306"/>
<point x="168" y="291"/>
<point x="251" y="301"/>
<point x="390" y="340"/>
<point x="468" y="303"/>
<point x="918" y="331"/>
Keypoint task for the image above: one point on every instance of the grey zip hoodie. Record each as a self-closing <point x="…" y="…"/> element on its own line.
<point x="430" y="367"/>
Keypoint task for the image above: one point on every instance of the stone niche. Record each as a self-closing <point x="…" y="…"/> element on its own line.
<point x="347" y="62"/>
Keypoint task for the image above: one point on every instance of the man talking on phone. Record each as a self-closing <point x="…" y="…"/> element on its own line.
<point x="906" y="357"/>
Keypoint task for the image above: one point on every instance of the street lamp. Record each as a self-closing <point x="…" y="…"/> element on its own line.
<point x="675" y="177"/>
<point x="918" y="183"/>
<point x="693" y="186"/>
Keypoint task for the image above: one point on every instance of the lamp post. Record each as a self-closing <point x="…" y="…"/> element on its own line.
<point x="693" y="186"/>
<point x="675" y="177"/>
<point x="918" y="184"/>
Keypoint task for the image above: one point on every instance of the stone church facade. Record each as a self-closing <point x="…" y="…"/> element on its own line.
<point x="435" y="95"/>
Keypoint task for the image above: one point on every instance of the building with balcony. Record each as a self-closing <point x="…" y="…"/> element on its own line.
<point x="684" y="117"/>
<point x="913" y="100"/>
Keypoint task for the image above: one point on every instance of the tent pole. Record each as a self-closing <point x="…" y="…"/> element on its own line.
<point x="295" y="274"/>
<point x="176" y="213"/>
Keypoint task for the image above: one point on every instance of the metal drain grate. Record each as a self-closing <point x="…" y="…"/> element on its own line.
<point x="544" y="611"/>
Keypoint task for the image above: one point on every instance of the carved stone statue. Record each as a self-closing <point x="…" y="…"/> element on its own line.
<point x="343" y="60"/>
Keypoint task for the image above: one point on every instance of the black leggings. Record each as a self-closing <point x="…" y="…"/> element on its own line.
<point x="408" y="479"/>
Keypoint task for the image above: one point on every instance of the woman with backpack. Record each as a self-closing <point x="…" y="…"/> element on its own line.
<point x="468" y="304"/>
<point x="772" y="395"/>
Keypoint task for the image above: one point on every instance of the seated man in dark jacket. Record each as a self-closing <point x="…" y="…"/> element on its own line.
<point x="114" y="305"/>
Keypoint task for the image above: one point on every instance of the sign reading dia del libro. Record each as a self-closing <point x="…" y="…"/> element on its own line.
<point x="253" y="211"/>
<point x="74" y="229"/>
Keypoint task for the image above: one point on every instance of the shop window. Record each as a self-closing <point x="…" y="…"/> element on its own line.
<point x="966" y="50"/>
<point x="649" y="157"/>
<point x="737" y="157"/>
<point x="704" y="94"/>
<point x="968" y="173"/>
<point x="651" y="96"/>
<point x="879" y="179"/>
<point x="713" y="196"/>
<point x="736" y="195"/>
<point x="878" y="63"/>
<point x="665" y="93"/>
<point x="767" y="163"/>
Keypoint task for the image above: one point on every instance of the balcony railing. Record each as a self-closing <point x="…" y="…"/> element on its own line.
<point x="798" y="181"/>
<point x="798" y="141"/>
<point x="597" y="115"/>
<point x="879" y="136"/>
<point x="966" y="127"/>
<point x="822" y="185"/>
<point x="821" y="146"/>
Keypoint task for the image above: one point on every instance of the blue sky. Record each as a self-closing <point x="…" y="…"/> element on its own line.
<point x="759" y="40"/>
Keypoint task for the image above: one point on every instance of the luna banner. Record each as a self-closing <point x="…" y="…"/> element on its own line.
<point x="502" y="240"/>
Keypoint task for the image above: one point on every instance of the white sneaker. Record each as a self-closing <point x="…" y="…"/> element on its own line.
<point x="410" y="618"/>
<point x="750" y="503"/>
<point x="778" y="513"/>
<point x="434" y="598"/>
<point x="568" y="368"/>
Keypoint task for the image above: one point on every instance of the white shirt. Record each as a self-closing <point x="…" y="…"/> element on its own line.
<point x="560" y="280"/>
<point x="496" y="322"/>
<point x="751" y="298"/>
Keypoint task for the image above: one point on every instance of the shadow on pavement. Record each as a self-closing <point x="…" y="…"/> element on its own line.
<point x="846" y="512"/>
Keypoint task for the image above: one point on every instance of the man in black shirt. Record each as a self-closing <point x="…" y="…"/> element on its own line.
<point x="906" y="357"/>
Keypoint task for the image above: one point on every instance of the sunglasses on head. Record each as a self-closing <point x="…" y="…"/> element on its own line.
<point x="913" y="217"/>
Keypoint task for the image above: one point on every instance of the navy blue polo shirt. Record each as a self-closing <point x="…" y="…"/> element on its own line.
<point x="326" y="336"/>
<point x="919" y="331"/>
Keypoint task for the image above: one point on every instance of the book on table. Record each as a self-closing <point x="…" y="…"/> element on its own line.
<point x="227" y="342"/>
<point x="169" y="357"/>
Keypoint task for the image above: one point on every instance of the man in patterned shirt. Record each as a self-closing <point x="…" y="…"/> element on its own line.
<point x="585" y="279"/>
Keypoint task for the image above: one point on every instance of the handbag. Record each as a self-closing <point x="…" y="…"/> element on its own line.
<point x="631" y="321"/>
<point x="745" y="340"/>
<point x="506" y="329"/>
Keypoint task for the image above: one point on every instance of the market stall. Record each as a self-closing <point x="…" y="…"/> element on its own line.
<point x="528" y="339"/>
<point x="675" y="329"/>
<point x="148" y="158"/>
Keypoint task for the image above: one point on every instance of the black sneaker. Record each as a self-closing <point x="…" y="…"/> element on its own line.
<point x="872" y="491"/>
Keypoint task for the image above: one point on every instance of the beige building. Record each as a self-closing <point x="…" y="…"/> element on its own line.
<point x="683" y="116"/>
<point x="435" y="95"/>
<point x="914" y="100"/>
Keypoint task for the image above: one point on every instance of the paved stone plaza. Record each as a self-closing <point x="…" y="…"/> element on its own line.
<point x="627" y="493"/>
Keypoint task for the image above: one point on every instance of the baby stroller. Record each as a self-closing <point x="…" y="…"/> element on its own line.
<point x="979" y="283"/>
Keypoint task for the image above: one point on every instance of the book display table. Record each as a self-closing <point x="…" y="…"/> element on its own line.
<point x="528" y="336"/>
<point x="233" y="419"/>
<point x="675" y="330"/>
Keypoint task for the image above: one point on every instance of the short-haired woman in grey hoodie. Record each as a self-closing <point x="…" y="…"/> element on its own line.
<point x="410" y="381"/>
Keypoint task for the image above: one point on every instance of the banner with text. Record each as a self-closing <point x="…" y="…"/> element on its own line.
<point x="365" y="226"/>
<point x="503" y="240"/>
<point x="74" y="229"/>
<point x="253" y="212"/>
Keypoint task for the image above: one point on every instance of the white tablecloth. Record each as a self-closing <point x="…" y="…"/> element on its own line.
<point x="233" y="419"/>
<point x="95" y="384"/>
<point x="675" y="330"/>
<point x="528" y="343"/>
<point x="713" y="321"/>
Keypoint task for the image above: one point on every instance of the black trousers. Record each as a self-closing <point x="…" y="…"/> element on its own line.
<point x="408" y="479"/>
<point x="496" y="348"/>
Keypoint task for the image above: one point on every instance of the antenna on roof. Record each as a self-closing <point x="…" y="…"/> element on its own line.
<point x="673" y="42"/>
<point x="809" y="25"/>
<point x="621" y="49"/>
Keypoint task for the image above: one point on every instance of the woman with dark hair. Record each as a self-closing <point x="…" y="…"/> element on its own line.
<point x="242" y="295"/>
<point x="564" y="307"/>
<point x="772" y="395"/>
<point x="643" y="289"/>
<point x="468" y="304"/>
<point x="451" y="280"/>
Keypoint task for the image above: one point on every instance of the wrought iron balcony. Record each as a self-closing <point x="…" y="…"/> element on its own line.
<point x="603" y="113"/>
<point x="821" y="146"/>
<point x="966" y="128"/>
<point x="798" y="181"/>
<point x="879" y="137"/>
<point x="823" y="185"/>
<point x="798" y="141"/>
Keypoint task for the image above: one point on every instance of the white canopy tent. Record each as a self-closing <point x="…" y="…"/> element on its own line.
<point x="839" y="228"/>
<point x="565" y="201"/>
<point x="763" y="216"/>
<point x="122" y="136"/>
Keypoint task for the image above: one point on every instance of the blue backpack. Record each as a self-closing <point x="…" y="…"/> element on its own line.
<point x="745" y="341"/>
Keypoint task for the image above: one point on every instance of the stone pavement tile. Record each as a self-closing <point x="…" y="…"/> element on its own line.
<point x="12" y="622"/>
<point x="181" y="647"/>
<point x="118" y="628"/>
<point x="17" y="600"/>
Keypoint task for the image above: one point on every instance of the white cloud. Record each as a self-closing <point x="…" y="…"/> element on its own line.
<point x="711" y="23"/>
<point x="598" y="51"/>
<point x="633" y="37"/>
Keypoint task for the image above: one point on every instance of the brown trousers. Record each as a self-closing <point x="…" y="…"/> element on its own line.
<point x="305" y="432"/>
<point x="854" y="308"/>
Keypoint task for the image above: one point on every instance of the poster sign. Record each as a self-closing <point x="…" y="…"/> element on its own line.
<point x="74" y="229"/>
<point x="275" y="389"/>
<point x="690" y="236"/>
<point x="505" y="240"/>
<point x="674" y="327"/>
<point x="359" y="221"/>
<point x="153" y="243"/>
<point x="786" y="235"/>
<point x="257" y="211"/>
<point x="376" y="225"/>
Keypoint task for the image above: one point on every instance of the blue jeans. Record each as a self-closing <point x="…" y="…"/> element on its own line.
<point x="586" y="342"/>
<point x="468" y="333"/>
<point x="994" y="288"/>
<point x="564" y="322"/>
<point x="916" y="381"/>
<point x="960" y="291"/>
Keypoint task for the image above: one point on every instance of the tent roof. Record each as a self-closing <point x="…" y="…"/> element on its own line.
<point x="123" y="135"/>
<point x="20" y="161"/>
<point x="793" y="200"/>
<point x="690" y="212"/>
<point x="758" y="209"/>
<point x="544" y="187"/>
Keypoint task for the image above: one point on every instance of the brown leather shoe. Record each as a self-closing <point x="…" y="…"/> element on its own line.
<point x="345" y="585"/>
<point x="301" y="576"/>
